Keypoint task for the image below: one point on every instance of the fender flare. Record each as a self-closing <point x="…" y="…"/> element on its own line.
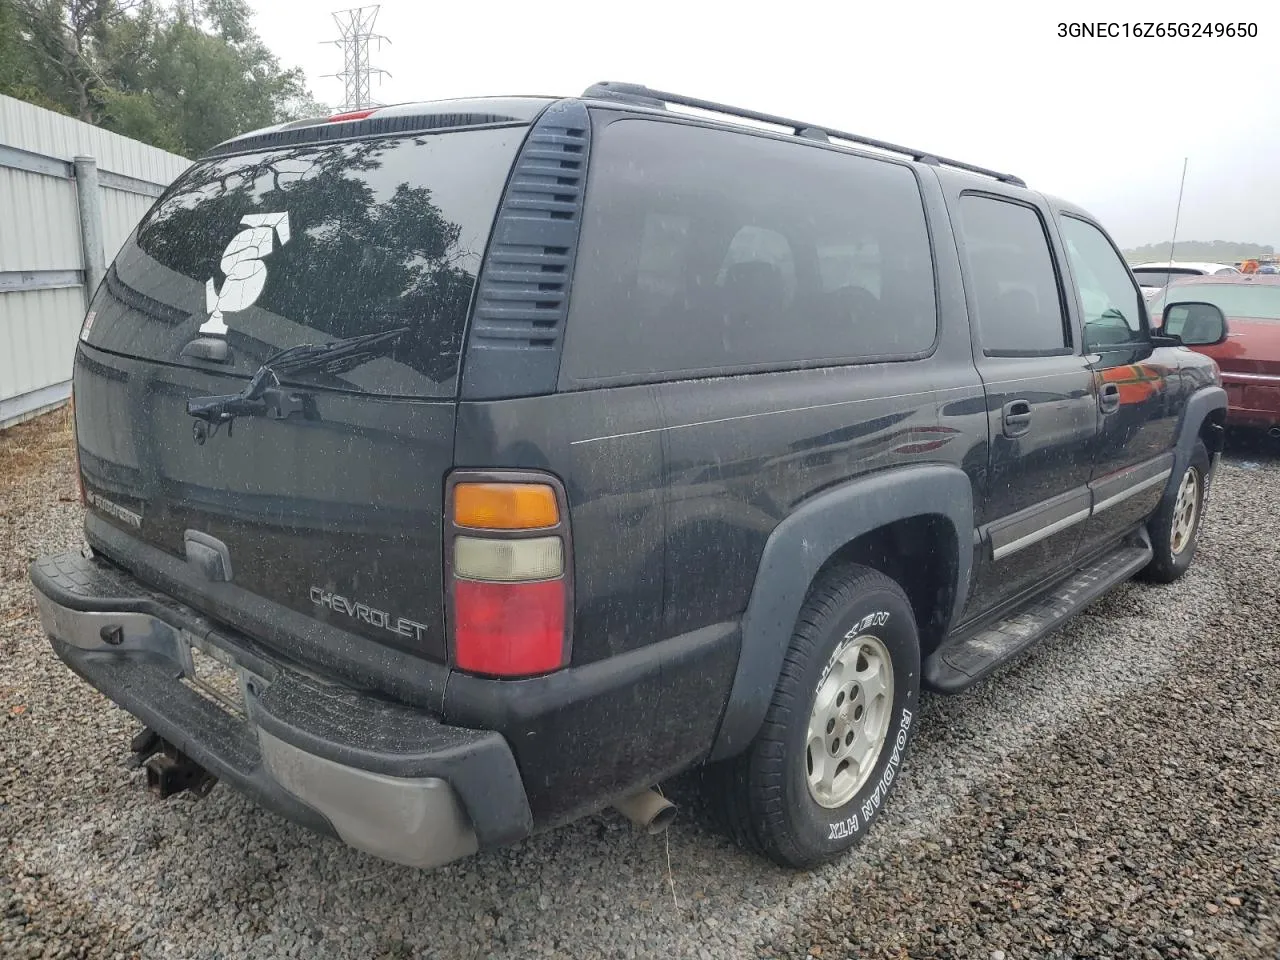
<point x="1199" y="406"/>
<point x="797" y="549"/>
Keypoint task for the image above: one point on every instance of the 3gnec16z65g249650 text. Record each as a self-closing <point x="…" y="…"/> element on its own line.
<point x="1103" y="30"/>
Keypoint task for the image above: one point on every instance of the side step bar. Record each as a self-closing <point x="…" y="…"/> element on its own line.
<point x="967" y="658"/>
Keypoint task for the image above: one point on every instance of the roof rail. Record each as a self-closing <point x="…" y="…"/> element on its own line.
<point x="640" y="94"/>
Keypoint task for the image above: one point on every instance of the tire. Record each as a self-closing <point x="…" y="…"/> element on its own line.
<point x="1173" y="537"/>
<point x="764" y="795"/>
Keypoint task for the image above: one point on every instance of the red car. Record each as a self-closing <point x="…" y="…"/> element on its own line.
<point x="1249" y="358"/>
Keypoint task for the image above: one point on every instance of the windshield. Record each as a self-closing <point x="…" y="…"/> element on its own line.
<point x="1261" y="302"/>
<point x="314" y="243"/>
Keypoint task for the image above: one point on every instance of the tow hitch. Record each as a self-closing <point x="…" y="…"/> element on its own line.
<point x="169" y="770"/>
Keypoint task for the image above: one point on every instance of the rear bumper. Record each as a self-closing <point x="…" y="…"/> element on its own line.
<point x="1253" y="399"/>
<point x="384" y="778"/>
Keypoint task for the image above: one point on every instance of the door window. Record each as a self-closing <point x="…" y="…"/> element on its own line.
<point x="1112" y="304"/>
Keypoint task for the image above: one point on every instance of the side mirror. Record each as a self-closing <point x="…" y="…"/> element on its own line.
<point x="1194" y="324"/>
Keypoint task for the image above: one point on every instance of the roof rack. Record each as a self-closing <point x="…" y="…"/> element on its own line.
<point x="638" y="93"/>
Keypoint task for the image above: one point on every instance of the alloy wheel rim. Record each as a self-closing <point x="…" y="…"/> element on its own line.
<point x="849" y="720"/>
<point x="1185" y="511"/>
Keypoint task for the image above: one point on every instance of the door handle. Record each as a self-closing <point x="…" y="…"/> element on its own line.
<point x="1016" y="415"/>
<point x="1109" y="398"/>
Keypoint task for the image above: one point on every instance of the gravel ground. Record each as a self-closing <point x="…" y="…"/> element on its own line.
<point x="1115" y="793"/>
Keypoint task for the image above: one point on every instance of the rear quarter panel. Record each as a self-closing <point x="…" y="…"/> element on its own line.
<point x="637" y="710"/>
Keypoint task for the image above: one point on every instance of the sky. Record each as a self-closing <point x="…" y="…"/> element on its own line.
<point x="1105" y="123"/>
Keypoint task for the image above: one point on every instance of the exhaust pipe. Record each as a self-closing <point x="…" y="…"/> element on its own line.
<point x="649" y="810"/>
<point x="1274" y="433"/>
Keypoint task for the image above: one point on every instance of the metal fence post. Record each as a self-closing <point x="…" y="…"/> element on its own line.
<point x="89" y="200"/>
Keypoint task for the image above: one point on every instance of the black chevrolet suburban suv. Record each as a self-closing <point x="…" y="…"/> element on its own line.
<point x="457" y="469"/>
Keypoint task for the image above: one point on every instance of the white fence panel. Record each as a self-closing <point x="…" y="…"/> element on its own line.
<point x="120" y="214"/>
<point x="44" y="132"/>
<point x="43" y="273"/>
<point x="46" y="334"/>
<point x="39" y="226"/>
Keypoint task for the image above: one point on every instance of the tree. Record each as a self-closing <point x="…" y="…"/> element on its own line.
<point x="177" y="75"/>
<point x="20" y="74"/>
<point x="61" y="41"/>
<point x="1213" y="251"/>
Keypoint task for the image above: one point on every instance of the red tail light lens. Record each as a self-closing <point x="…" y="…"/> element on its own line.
<point x="351" y="115"/>
<point x="510" y="584"/>
<point x="508" y="629"/>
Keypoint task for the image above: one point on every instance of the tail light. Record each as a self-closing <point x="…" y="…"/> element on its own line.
<point x="351" y="115"/>
<point x="508" y="566"/>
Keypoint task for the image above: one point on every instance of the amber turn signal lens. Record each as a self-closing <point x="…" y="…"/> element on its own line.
<point x="504" y="506"/>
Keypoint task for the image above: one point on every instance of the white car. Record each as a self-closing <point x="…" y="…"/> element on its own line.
<point x="1155" y="276"/>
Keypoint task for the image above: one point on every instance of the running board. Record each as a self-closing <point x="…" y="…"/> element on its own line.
<point x="966" y="659"/>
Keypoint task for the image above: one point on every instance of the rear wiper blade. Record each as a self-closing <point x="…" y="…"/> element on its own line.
<point x="336" y="357"/>
<point x="265" y="395"/>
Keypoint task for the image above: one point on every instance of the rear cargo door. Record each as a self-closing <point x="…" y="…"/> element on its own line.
<point x="335" y="511"/>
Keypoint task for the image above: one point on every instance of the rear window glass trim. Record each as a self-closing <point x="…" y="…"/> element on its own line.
<point x="309" y="386"/>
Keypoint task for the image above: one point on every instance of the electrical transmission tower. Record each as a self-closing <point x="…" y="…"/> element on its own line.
<point x="356" y="29"/>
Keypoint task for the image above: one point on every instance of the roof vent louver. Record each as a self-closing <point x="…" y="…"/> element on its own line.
<point x="523" y="294"/>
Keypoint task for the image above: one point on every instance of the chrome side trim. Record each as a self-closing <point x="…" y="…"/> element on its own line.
<point x="1037" y="535"/>
<point x="1137" y="488"/>
<point x="999" y="550"/>
<point x="1231" y="376"/>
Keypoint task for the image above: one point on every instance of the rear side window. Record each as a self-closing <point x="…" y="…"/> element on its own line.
<point x="707" y="251"/>
<point x="1011" y="277"/>
<point x="314" y="243"/>
<point x="1162" y="278"/>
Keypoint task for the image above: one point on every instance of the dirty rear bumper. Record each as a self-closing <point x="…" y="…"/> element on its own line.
<point x="383" y="777"/>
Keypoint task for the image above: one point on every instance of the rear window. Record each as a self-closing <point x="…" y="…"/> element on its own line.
<point x="707" y="251"/>
<point x="1261" y="302"/>
<point x="312" y="244"/>
<point x="1161" y="278"/>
